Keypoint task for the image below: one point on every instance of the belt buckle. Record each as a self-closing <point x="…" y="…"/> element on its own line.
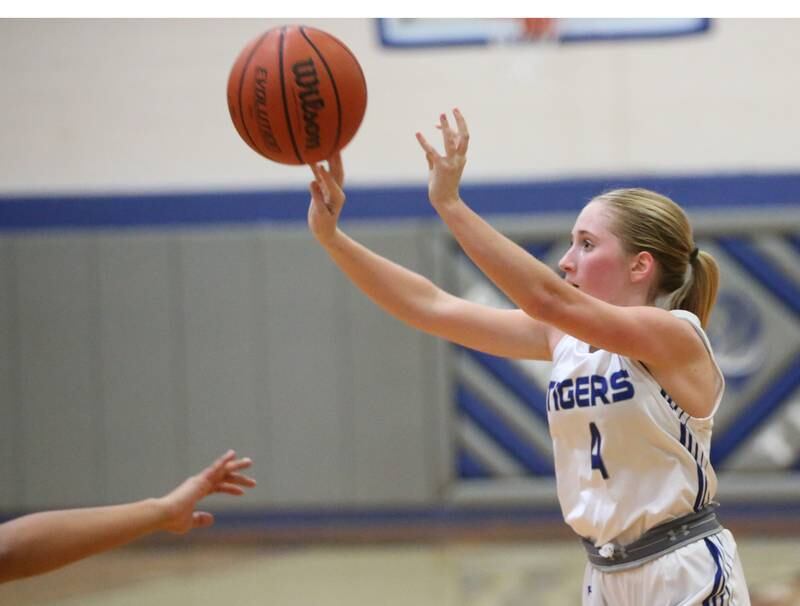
<point x="611" y="551"/>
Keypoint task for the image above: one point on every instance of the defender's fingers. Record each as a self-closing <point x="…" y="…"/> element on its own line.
<point x="240" y="479"/>
<point x="242" y="463"/>
<point x="218" y="466"/>
<point x="228" y="456"/>
<point x="231" y="489"/>
<point x="202" y="519"/>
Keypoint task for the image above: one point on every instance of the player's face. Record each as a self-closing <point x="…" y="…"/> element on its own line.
<point x="595" y="261"/>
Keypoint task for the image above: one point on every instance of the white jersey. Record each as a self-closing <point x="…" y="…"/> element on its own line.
<point x="627" y="458"/>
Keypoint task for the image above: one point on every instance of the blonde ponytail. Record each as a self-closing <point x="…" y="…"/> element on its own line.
<point x="644" y="220"/>
<point x="699" y="293"/>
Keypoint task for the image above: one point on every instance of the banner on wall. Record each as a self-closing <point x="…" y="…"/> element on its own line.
<point x="449" y="32"/>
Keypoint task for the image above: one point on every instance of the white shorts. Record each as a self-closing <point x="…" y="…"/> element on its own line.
<point x="707" y="572"/>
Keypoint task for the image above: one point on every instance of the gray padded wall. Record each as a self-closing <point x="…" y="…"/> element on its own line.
<point x="131" y="358"/>
<point x="10" y="479"/>
<point x="141" y="368"/>
<point x="61" y="419"/>
<point x="396" y="399"/>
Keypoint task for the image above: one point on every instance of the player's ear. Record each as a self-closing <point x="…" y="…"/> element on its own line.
<point x="642" y="266"/>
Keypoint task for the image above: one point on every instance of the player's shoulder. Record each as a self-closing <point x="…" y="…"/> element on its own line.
<point x="659" y="322"/>
<point x="683" y="314"/>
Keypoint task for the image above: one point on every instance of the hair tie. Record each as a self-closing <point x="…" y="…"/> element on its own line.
<point x="693" y="254"/>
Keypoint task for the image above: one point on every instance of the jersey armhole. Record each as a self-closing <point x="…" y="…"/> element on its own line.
<point x="694" y="321"/>
<point x="560" y="345"/>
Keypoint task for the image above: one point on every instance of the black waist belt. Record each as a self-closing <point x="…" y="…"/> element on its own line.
<point x="655" y="542"/>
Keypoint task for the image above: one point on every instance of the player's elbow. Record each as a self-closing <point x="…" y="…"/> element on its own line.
<point x="6" y="560"/>
<point x="541" y="305"/>
<point x="14" y="563"/>
<point x="434" y="312"/>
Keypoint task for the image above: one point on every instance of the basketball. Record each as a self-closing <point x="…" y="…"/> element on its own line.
<point x="296" y="94"/>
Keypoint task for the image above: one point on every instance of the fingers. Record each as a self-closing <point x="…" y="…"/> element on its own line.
<point x="223" y="459"/>
<point x="463" y="132"/>
<point x="429" y="149"/>
<point x="327" y="181"/>
<point x="318" y="199"/>
<point x="202" y="519"/>
<point x="316" y="192"/>
<point x="225" y="469"/>
<point x="239" y="464"/>
<point x="430" y="152"/>
<point x="319" y="176"/>
<point x="332" y="197"/>
<point x="336" y="168"/>
<point x="448" y="136"/>
<point x="455" y="141"/>
<point x="217" y="468"/>
<point x="227" y="488"/>
<point x="240" y="480"/>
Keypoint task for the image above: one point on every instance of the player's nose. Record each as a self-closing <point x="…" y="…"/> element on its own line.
<point x="565" y="264"/>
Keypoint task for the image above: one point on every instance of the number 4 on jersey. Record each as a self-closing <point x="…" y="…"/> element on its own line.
<point x="597" y="459"/>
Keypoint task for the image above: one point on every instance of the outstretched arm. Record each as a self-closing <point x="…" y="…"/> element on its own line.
<point x="411" y="297"/>
<point x="668" y="345"/>
<point x="40" y="542"/>
<point x="528" y="282"/>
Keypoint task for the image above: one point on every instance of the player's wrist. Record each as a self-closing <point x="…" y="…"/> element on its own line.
<point x="447" y="204"/>
<point x="332" y="241"/>
<point x="160" y="511"/>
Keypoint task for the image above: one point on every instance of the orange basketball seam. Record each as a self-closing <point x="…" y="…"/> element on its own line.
<point x="335" y="89"/>
<point x="241" y="87"/>
<point x="355" y="60"/>
<point x="283" y="94"/>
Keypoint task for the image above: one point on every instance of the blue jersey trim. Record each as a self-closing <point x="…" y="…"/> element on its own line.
<point x="689" y="442"/>
<point x="718" y="589"/>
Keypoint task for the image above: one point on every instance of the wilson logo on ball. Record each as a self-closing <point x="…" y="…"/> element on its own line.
<point x="296" y="95"/>
<point x="305" y="76"/>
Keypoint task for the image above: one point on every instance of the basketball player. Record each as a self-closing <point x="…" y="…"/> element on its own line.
<point x="634" y="383"/>
<point x="41" y="542"/>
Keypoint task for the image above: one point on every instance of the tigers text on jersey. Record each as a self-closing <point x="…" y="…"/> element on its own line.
<point x="627" y="458"/>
